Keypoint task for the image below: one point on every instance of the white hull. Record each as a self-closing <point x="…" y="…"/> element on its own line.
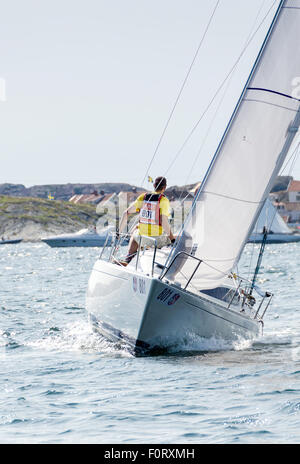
<point x="75" y="242"/>
<point x="83" y="238"/>
<point x="150" y="313"/>
<point x="275" y="238"/>
<point x="10" y="242"/>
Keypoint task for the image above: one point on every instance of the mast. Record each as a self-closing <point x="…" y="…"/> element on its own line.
<point x="249" y="156"/>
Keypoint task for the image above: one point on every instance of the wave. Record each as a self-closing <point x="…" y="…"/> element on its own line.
<point x="77" y="336"/>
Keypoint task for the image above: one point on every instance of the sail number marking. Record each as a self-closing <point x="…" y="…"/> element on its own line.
<point x="139" y="285"/>
<point x="168" y="296"/>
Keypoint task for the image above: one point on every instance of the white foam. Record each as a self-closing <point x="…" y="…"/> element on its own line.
<point x="79" y="337"/>
<point x="213" y="344"/>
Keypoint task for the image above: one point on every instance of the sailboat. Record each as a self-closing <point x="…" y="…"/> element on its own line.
<point x="278" y="230"/>
<point x="168" y="295"/>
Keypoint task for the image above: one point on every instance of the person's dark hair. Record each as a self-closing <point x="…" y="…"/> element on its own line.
<point x="160" y="183"/>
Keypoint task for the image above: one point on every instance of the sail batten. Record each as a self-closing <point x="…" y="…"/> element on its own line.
<point x="243" y="200"/>
<point x="249" y="156"/>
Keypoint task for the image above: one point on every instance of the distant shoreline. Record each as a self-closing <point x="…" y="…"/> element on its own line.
<point x="32" y="219"/>
<point x="33" y="213"/>
<point x="66" y="191"/>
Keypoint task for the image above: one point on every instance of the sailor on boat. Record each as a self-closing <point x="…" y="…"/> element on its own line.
<point x="154" y="212"/>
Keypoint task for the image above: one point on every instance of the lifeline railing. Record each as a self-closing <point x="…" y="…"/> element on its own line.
<point x="167" y="269"/>
<point x="140" y="245"/>
<point x="116" y="241"/>
<point x="244" y="296"/>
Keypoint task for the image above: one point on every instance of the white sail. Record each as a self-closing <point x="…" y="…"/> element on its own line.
<point x="248" y="158"/>
<point x="271" y="219"/>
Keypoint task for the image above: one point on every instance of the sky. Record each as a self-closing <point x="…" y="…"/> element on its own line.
<point x="87" y="86"/>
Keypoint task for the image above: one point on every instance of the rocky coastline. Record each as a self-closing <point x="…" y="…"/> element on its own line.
<point x="29" y="214"/>
<point x="32" y="219"/>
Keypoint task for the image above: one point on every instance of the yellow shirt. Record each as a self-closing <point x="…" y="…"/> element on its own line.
<point x="152" y="230"/>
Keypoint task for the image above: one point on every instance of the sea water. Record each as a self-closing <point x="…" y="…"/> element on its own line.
<point x="62" y="383"/>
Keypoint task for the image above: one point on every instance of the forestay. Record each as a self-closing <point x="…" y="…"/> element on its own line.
<point x="248" y="158"/>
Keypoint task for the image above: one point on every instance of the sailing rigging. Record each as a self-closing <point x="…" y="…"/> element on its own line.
<point x="162" y="296"/>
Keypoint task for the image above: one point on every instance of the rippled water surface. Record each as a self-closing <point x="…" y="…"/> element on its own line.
<point x="62" y="383"/>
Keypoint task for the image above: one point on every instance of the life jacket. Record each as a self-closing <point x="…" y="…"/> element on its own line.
<point x="150" y="211"/>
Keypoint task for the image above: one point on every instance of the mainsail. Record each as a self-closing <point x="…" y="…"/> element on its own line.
<point x="248" y="159"/>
